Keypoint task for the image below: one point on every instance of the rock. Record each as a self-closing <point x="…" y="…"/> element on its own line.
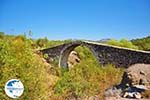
<point x="142" y="87"/>
<point x="135" y="95"/>
<point x="132" y="92"/>
<point x="113" y="92"/>
<point x="135" y="80"/>
<point x="73" y="59"/>
<point x="142" y="72"/>
<point x="138" y="74"/>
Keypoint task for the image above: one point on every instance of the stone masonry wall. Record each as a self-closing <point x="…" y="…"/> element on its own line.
<point x="119" y="56"/>
<point x="105" y="54"/>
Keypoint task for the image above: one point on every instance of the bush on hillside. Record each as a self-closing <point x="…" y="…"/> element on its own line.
<point x="122" y="43"/>
<point x="143" y="43"/>
<point x="87" y="78"/>
<point x="18" y="61"/>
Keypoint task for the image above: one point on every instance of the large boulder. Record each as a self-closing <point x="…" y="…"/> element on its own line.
<point x="135" y="80"/>
<point x="73" y="59"/>
<point x="138" y="74"/>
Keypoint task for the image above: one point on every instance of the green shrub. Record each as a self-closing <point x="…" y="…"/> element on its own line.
<point x="87" y="78"/>
<point x="17" y="60"/>
<point x="143" y="43"/>
<point x="122" y="43"/>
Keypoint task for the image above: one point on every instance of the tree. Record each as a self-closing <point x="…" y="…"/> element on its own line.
<point x="42" y="42"/>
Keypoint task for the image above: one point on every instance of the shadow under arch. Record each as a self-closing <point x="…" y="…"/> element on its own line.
<point x="70" y="47"/>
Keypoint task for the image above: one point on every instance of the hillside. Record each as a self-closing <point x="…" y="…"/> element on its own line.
<point x="19" y="59"/>
<point x="143" y="43"/>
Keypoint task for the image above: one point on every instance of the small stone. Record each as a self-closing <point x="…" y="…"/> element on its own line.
<point x="140" y="87"/>
<point x="137" y="95"/>
<point x="142" y="72"/>
<point x="112" y="92"/>
<point x="128" y="95"/>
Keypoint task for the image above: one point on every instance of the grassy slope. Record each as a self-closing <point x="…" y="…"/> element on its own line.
<point x="18" y="60"/>
<point x="143" y="43"/>
<point x="87" y="78"/>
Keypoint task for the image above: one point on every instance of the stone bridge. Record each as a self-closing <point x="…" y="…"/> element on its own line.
<point x="105" y="54"/>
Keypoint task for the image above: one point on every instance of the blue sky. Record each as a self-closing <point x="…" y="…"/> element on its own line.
<point x="76" y="19"/>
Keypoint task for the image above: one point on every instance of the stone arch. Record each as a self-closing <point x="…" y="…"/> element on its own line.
<point x="64" y="54"/>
